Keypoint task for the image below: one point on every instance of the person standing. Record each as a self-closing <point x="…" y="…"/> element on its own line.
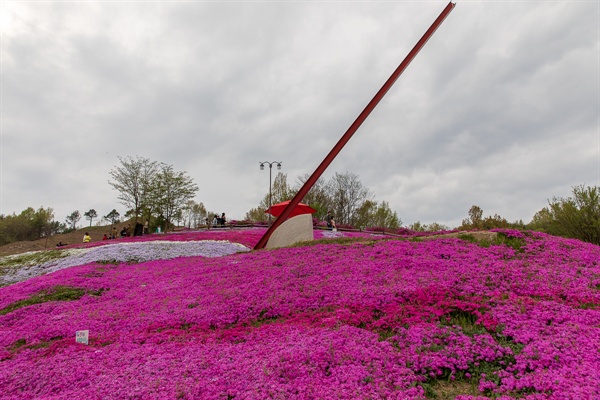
<point x="223" y="219"/>
<point x="330" y="221"/>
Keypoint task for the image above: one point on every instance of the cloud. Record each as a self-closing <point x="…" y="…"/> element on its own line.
<point x="499" y="109"/>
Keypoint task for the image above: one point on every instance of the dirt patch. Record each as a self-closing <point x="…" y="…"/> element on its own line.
<point x="75" y="237"/>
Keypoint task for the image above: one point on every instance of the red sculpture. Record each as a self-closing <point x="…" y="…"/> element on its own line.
<point x="357" y="123"/>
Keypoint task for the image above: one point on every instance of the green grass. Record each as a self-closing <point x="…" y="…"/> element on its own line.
<point x="56" y="293"/>
<point x="449" y="385"/>
<point x="31" y="258"/>
<point x="340" y="240"/>
<point x="498" y="240"/>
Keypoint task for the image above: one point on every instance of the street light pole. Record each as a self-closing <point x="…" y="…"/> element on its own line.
<point x="262" y="167"/>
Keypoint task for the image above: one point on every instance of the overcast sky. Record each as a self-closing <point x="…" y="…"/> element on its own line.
<point x="501" y="108"/>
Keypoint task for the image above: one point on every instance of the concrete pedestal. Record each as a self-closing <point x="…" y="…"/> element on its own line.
<point x="295" y="229"/>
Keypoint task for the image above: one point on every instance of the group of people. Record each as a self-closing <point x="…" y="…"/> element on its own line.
<point x="217" y="221"/>
<point x="125" y="232"/>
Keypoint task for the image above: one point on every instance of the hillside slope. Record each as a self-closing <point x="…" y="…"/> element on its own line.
<point x="368" y="318"/>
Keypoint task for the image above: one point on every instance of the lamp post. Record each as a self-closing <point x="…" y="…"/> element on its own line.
<point x="262" y="167"/>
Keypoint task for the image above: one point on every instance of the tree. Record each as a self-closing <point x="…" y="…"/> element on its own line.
<point x="433" y="227"/>
<point x="371" y="214"/>
<point x="42" y="222"/>
<point x="30" y="224"/>
<point x="347" y="194"/>
<point x="494" y="222"/>
<point x="385" y="217"/>
<point x="317" y="197"/>
<point x="576" y="217"/>
<point x="475" y="220"/>
<point x="170" y="191"/>
<point x="72" y="219"/>
<point x="280" y="191"/>
<point x="113" y="217"/>
<point x="365" y="214"/>
<point x="90" y="215"/>
<point x="133" y="180"/>
<point x="343" y="194"/>
<point x="541" y="221"/>
<point x="256" y="214"/>
<point x="193" y="214"/>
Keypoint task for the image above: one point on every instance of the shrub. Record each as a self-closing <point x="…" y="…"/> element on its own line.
<point x="576" y="217"/>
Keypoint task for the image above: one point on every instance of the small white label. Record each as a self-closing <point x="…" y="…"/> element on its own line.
<point x="82" y="336"/>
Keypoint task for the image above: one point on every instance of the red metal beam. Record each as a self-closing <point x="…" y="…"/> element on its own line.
<point x="353" y="128"/>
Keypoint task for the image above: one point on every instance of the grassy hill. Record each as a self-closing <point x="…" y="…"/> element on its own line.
<point x="96" y="233"/>
<point x="349" y="316"/>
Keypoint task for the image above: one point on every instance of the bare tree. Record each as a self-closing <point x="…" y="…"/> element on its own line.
<point x="347" y="194"/>
<point x="193" y="214"/>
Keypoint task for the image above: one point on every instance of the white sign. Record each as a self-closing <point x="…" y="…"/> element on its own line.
<point x="82" y="336"/>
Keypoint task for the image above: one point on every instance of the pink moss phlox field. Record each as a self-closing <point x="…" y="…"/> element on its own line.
<point x="381" y="319"/>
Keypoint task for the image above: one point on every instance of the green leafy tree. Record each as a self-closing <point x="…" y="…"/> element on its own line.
<point x="171" y="190"/>
<point x="256" y="214"/>
<point x="91" y="214"/>
<point x="365" y="214"/>
<point x="30" y="224"/>
<point x="42" y="223"/>
<point x="475" y="220"/>
<point x="577" y="216"/>
<point x="385" y="217"/>
<point x="433" y="227"/>
<point x="72" y="219"/>
<point x="541" y="221"/>
<point x="112" y="217"/>
<point x="371" y="214"/>
<point x="494" y="222"/>
<point x="280" y="191"/>
<point x="133" y="179"/>
<point x="317" y="197"/>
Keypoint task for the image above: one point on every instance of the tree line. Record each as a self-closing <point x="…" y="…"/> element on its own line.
<point x="351" y="202"/>
<point x="157" y="194"/>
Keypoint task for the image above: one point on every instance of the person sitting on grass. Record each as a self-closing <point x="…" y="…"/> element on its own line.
<point x="87" y="238"/>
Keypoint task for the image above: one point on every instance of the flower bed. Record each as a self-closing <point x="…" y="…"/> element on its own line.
<point x="376" y="319"/>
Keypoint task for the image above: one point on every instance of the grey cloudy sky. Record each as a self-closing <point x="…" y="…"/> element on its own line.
<point x="500" y="109"/>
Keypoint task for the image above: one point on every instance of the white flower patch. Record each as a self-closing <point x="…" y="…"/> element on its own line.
<point x="122" y="253"/>
<point x="333" y="234"/>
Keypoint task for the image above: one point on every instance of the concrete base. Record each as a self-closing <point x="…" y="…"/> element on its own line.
<point x="294" y="230"/>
